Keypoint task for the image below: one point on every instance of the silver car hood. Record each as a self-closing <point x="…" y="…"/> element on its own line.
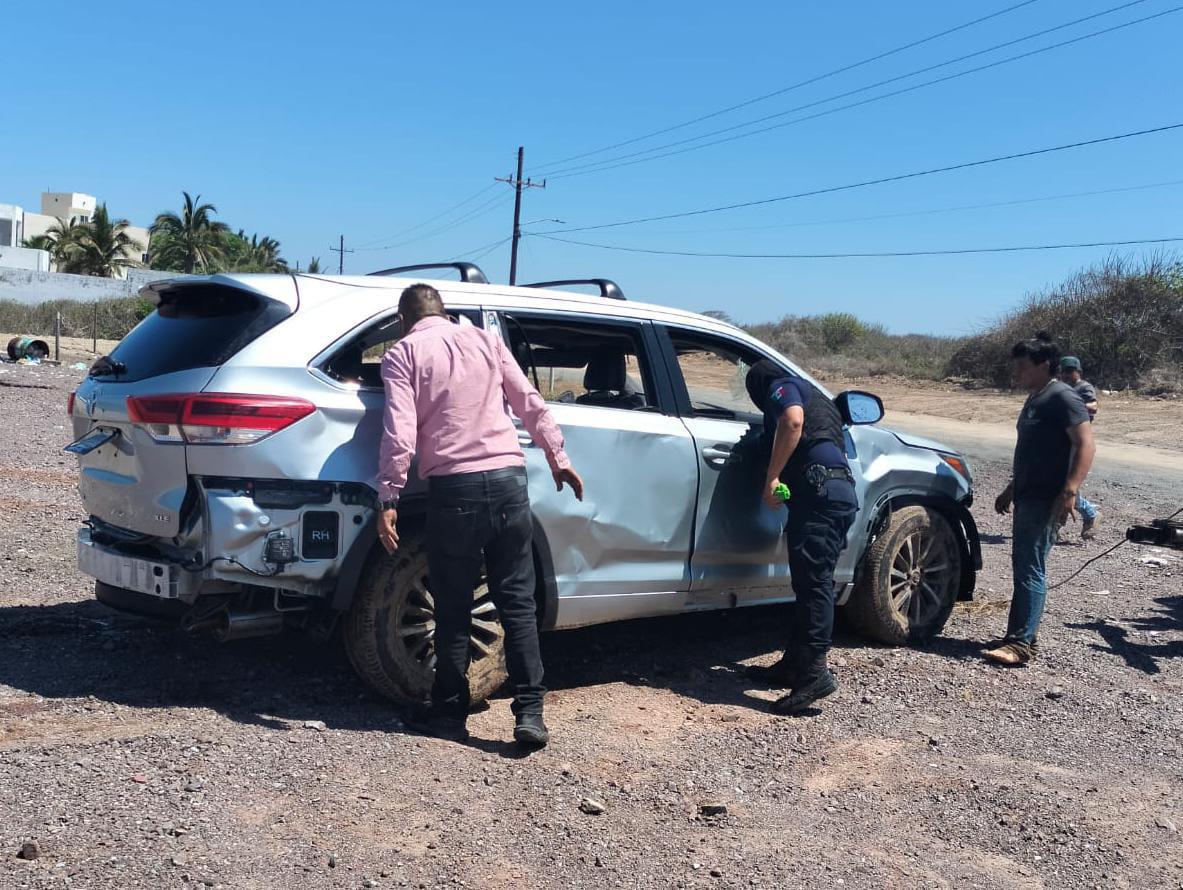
<point x="920" y="441"/>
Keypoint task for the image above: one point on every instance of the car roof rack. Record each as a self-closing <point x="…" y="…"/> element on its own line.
<point x="609" y="289"/>
<point x="469" y="272"/>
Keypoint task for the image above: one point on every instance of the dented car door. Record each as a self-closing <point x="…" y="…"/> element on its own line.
<point x="624" y="550"/>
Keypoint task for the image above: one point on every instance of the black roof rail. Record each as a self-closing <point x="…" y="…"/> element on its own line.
<point x="608" y="289"/>
<point x="469" y="272"/>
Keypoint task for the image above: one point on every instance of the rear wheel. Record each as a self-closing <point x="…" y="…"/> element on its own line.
<point x="390" y="629"/>
<point x="909" y="580"/>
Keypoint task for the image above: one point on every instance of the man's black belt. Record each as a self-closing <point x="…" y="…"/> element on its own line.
<point x="817" y="475"/>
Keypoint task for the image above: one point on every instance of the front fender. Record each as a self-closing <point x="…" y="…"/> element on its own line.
<point x="958" y="515"/>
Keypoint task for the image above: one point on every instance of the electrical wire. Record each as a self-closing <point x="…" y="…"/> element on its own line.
<point x="869" y="182"/>
<point x="364" y="245"/>
<point x="791" y="87"/>
<point x="480" y="210"/>
<point x="928" y="212"/>
<point x="492" y="248"/>
<point x="1101" y="555"/>
<point x="479" y="251"/>
<point x="887" y="253"/>
<point x="608" y="164"/>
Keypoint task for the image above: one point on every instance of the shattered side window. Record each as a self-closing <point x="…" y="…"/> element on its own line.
<point x="715" y="371"/>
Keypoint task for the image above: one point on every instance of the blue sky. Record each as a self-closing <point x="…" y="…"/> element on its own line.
<point x="366" y="118"/>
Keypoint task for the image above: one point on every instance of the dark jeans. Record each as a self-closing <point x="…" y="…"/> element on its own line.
<point x="816" y="532"/>
<point x="475" y="518"/>
<point x="1034" y="533"/>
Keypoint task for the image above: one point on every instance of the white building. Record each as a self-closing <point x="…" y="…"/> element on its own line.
<point x="18" y="225"/>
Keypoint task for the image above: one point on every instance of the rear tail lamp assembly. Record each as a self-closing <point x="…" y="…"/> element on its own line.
<point x="215" y="418"/>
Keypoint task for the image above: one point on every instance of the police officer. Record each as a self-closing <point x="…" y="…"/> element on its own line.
<point x="803" y="431"/>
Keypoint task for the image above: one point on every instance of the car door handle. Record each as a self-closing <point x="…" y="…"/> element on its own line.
<point x="718" y="454"/>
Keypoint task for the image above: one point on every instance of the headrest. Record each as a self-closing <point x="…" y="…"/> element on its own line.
<point x="605" y="371"/>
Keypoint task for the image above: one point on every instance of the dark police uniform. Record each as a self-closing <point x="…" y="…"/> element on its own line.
<point x="823" y="503"/>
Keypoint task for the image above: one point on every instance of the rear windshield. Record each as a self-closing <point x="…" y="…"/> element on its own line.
<point x="195" y="326"/>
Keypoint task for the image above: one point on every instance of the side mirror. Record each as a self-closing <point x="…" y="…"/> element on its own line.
<point x="859" y="408"/>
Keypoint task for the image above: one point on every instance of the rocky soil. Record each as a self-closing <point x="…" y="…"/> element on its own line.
<point x="132" y="756"/>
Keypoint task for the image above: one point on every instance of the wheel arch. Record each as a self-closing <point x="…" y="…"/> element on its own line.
<point x="414" y="520"/>
<point x="959" y="517"/>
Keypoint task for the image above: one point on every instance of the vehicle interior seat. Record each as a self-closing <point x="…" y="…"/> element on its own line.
<point x="607" y="384"/>
<point x="348" y="364"/>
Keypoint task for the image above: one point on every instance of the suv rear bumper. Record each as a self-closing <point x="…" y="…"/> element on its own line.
<point x="162" y="580"/>
<point x="135" y="603"/>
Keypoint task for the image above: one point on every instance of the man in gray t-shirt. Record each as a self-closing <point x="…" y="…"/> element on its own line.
<point x="1052" y="458"/>
<point x="1070" y="373"/>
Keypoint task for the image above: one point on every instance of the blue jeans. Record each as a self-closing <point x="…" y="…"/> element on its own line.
<point x="1034" y="534"/>
<point x="1087" y="511"/>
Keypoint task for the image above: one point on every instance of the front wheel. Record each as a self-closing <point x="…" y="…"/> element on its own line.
<point x="389" y="630"/>
<point x="909" y="580"/>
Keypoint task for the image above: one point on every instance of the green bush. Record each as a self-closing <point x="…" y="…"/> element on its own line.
<point x="1123" y="319"/>
<point x="839" y="343"/>
<point x="109" y="319"/>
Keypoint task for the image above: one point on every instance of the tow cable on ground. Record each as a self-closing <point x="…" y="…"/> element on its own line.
<point x="1158" y="533"/>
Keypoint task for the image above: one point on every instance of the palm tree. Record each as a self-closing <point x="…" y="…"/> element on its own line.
<point x="39" y="242"/>
<point x="106" y="247"/>
<point x="266" y="251"/>
<point x="182" y="243"/>
<point x="314" y="266"/>
<point x="253" y="255"/>
<point x="66" y="250"/>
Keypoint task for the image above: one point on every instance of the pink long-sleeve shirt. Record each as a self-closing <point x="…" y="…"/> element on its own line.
<point x="449" y="389"/>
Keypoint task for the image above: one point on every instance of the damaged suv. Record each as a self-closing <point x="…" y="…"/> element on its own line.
<point x="228" y="454"/>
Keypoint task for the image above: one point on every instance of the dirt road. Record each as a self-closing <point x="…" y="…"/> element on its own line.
<point x="1138" y="443"/>
<point x="136" y="757"/>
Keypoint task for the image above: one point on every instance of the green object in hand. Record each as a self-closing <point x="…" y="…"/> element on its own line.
<point x="782" y="492"/>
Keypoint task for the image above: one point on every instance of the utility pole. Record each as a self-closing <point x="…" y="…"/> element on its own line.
<point x="340" y="249"/>
<point x="518" y="184"/>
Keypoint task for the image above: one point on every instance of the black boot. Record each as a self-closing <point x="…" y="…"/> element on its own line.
<point x="783" y="674"/>
<point x="815" y="683"/>
<point x="429" y="721"/>
<point x="530" y="730"/>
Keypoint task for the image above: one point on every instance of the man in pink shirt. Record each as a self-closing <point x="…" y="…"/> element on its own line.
<point x="448" y="391"/>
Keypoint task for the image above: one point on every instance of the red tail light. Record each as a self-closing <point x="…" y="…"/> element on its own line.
<point x="215" y="418"/>
<point x="70" y="405"/>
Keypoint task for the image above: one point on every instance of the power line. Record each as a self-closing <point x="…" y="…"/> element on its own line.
<point x="636" y="157"/>
<point x="795" y="86"/>
<point x="480" y="210"/>
<point x="833" y="256"/>
<point x="430" y="219"/>
<point x="479" y="251"/>
<point x="491" y="248"/>
<point x="868" y="182"/>
<point x="926" y="212"/>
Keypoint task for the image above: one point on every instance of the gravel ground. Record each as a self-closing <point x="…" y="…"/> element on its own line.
<point x="135" y="757"/>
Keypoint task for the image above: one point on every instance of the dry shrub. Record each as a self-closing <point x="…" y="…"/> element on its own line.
<point x="1123" y="319"/>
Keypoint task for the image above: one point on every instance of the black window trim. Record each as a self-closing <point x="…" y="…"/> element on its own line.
<point x="665" y="402"/>
<point x="665" y="334"/>
<point x="318" y="362"/>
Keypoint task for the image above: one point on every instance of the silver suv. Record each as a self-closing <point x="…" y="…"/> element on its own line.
<point x="228" y="453"/>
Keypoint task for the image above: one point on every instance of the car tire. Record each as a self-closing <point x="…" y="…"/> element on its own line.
<point x="389" y="629"/>
<point x="909" y="579"/>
